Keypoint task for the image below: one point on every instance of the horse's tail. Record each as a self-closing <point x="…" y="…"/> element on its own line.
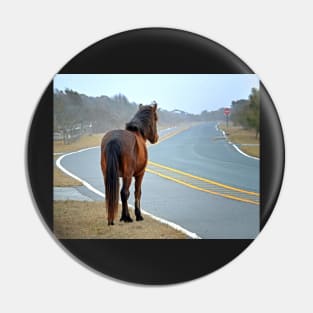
<point x="113" y="156"/>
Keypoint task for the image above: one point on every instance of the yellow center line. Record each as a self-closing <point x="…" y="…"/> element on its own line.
<point x="202" y="179"/>
<point x="201" y="189"/>
<point x="169" y="135"/>
<point x="172" y="134"/>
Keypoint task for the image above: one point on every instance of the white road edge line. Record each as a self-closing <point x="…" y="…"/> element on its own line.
<point x="101" y="194"/>
<point x="236" y="147"/>
<point x="247" y="155"/>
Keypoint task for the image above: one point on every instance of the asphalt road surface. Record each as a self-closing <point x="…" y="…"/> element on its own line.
<point x="196" y="179"/>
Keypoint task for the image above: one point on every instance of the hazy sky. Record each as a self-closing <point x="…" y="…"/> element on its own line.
<point x="192" y="93"/>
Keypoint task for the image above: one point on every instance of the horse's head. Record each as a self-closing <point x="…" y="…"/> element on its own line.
<point x="145" y="121"/>
<point x="152" y="133"/>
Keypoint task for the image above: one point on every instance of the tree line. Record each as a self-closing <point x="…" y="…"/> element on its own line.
<point x="104" y="113"/>
<point x="246" y="112"/>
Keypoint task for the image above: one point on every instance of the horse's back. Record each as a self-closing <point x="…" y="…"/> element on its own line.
<point x="124" y="138"/>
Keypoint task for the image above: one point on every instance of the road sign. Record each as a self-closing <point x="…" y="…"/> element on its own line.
<point x="227" y="111"/>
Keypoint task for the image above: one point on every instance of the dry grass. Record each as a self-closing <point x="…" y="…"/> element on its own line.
<point x="251" y="150"/>
<point x="87" y="220"/>
<point x="238" y="135"/>
<point x="85" y="141"/>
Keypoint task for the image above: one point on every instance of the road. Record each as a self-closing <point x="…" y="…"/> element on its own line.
<point x="195" y="179"/>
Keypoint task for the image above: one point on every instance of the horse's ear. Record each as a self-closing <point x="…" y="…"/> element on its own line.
<point x="155" y="105"/>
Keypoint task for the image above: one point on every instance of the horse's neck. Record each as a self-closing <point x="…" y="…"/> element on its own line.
<point x="142" y="152"/>
<point x="140" y="139"/>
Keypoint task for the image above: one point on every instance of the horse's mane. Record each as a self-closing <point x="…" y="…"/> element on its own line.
<point x="141" y="121"/>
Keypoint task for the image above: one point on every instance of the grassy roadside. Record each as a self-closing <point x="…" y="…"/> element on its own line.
<point x="245" y="138"/>
<point x="87" y="220"/>
<point x="85" y="141"/>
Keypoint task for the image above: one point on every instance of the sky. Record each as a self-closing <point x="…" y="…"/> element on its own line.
<point x="192" y="93"/>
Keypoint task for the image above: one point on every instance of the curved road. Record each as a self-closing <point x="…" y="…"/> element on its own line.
<point x="199" y="152"/>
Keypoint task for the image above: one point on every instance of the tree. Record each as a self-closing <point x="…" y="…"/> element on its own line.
<point x="246" y="112"/>
<point x="253" y="114"/>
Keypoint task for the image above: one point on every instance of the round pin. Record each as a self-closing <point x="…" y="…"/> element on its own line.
<point x="155" y="156"/>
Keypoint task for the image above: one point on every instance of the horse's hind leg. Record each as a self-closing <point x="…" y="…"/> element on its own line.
<point x="138" y="181"/>
<point x="124" y="197"/>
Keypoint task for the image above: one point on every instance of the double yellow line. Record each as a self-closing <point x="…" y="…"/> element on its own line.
<point x="169" y="135"/>
<point x="172" y="134"/>
<point x="203" y="184"/>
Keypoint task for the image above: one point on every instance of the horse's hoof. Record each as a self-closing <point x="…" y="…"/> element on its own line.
<point x="139" y="218"/>
<point x="110" y="223"/>
<point x="126" y="219"/>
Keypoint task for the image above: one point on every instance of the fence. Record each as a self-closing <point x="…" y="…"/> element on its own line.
<point x="73" y="133"/>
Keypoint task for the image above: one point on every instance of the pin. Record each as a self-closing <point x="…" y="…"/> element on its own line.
<point x="155" y="156"/>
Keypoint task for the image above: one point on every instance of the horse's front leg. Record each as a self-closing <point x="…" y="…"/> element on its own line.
<point x="138" y="181"/>
<point x="124" y="197"/>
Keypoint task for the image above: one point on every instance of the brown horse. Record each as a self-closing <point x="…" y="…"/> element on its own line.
<point x="124" y="154"/>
